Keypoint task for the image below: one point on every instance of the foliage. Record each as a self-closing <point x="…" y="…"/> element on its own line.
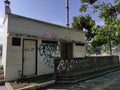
<point x="104" y="33"/>
<point x="106" y="9"/>
<point x="115" y="29"/>
<point x="88" y="1"/>
<point x="30" y="82"/>
<point x="98" y="36"/>
<point x="92" y="50"/>
<point x="84" y="22"/>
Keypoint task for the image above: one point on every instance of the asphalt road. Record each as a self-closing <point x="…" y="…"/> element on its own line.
<point x="109" y="81"/>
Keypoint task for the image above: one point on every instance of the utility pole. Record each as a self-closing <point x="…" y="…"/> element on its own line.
<point x="67" y="13"/>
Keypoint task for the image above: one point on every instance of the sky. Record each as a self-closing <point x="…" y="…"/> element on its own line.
<point x="52" y="11"/>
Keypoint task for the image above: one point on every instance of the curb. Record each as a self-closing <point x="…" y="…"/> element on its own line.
<point x="38" y="85"/>
<point x="89" y="77"/>
<point x="9" y="86"/>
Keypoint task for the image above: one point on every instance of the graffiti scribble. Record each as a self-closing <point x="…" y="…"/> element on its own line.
<point x="49" y="51"/>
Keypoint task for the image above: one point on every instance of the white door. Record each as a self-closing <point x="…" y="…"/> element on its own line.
<point x="29" y="62"/>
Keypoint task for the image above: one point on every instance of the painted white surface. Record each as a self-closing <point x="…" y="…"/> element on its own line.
<point x="4" y="54"/>
<point x="23" y="25"/>
<point x="44" y="66"/>
<point x="78" y="51"/>
<point x="29" y="62"/>
<point x="13" y="61"/>
<point x="12" y="72"/>
<point x="12" y="55"/>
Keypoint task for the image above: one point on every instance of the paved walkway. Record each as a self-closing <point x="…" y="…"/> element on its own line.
<point x="3" y="88"/>
<point x="110" y="81"/>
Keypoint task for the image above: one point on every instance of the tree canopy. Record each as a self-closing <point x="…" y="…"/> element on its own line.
<point x="84" y="23"/>
<point x="105" y="8"/>
<point x="109" y="11"/>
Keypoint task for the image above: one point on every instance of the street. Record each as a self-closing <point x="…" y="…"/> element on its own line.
<point x="109" y="81"/>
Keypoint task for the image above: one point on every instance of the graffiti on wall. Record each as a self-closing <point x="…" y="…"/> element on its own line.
<point x="48" y="51"/>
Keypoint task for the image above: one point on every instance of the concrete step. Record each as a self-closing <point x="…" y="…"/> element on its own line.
<point x="78" y="79"/>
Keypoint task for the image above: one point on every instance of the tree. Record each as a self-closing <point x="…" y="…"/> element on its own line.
<point x="84" y="23"/>
<point x="105" y="8"/>
<point x="108" y="11"/>
<point x="99" y="35"/>
<point x="115" y="28"/>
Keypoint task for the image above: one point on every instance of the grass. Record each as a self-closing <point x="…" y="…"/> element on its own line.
<point x="17" y="85"/>
<point x="30" y="82"/>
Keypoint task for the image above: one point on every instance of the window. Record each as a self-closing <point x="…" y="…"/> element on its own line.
<point x="53" y="42"/>
<point x="79" y="44"/>
<point x="16" y="41"/>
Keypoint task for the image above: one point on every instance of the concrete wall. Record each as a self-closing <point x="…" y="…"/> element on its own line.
<point x="23" y="25"/>
<point x="4" y="55"/>
<point x="85" y="65"/>
<point x="17" y="26"/>
<point x="14" y="60"/>
<point x="45" y="65"/>
<point x="79" y="51"/>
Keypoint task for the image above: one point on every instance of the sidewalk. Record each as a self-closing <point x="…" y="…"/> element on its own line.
<point x="2" y="87"/>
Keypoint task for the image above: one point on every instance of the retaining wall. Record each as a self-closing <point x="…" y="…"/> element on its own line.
<point x="78" y="68"/>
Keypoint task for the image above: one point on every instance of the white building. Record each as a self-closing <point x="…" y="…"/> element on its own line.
<point x="29" y="42"/>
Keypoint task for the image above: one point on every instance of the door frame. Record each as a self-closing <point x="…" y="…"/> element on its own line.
<point x="36" y="42"/>
<point x="66" y="44"/>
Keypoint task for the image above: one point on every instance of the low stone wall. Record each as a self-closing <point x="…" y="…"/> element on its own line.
<point x="84" y="64"/>
<point x="82" y="67"/>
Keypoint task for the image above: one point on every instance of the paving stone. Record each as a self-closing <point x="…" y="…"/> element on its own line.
<point x="110" y="81"/>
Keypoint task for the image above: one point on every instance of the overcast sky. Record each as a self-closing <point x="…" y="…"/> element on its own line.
<point x="52" y="11"/>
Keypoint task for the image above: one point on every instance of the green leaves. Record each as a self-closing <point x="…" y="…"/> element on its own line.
<point x="84" y="22"/>
<point x="102" y="34"/>
<point x="100" y="37"/>
<point x="115" y="1"/>
<point x="117" y="7"/>
<point x="76" y="23"/>
<point x="88" y="1"/>
<point x="83" y="8"/>
<point x="106" y="10"/>
<point x="92" y="1"/>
